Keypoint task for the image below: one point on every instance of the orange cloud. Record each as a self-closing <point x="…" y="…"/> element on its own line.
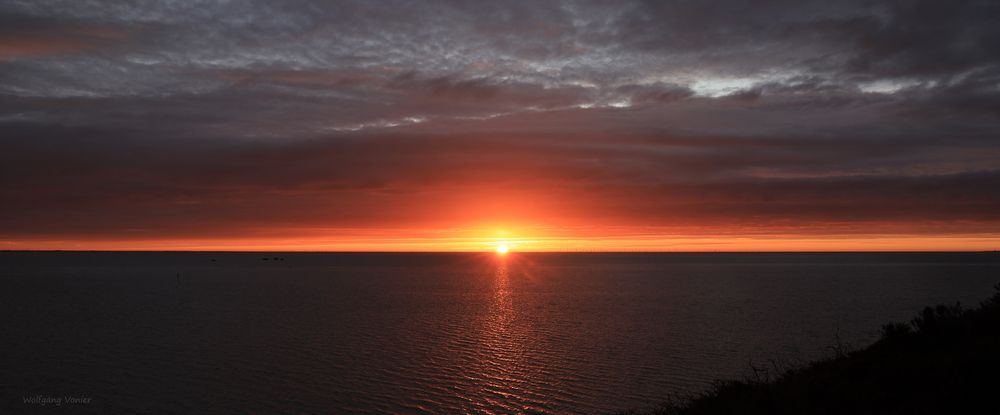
<point x="55" y="41"/>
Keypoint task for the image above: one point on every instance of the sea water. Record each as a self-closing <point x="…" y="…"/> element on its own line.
<point x="438" y="333"/>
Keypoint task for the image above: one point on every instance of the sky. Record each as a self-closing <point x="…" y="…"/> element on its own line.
<point x="456" y="125"/>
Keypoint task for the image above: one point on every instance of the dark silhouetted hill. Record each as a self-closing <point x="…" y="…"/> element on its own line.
<point x="944" y="361"/>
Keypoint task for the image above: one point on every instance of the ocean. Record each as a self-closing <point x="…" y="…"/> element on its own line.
<point x="162" y="332"/>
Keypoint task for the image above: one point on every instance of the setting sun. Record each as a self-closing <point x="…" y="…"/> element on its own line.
<point x="502" y="249"/>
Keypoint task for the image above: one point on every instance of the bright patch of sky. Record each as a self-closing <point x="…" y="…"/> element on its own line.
<point x="887" y="86"/>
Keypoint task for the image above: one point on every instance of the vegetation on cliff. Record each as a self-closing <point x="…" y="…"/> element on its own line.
<point x="944" y="361"/>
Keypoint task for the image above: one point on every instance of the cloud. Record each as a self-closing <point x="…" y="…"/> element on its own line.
<point x="27" y="38"/>
<point x="74" y="181"/>
<point x="171" y="116"/>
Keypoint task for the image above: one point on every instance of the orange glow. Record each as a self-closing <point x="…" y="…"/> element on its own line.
<point x="502" y="249"/>
<point x="529" y="239"/>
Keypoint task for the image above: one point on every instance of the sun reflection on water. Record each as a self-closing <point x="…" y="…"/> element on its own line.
<point x="502" y="369"/>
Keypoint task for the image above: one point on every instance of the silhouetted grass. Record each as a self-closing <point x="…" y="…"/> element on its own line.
<point x="944" y="361"/>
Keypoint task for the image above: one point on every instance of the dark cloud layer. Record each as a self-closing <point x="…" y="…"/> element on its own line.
<point x="199" y="118"/>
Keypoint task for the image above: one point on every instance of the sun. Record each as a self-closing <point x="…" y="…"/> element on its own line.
<point x="502" y="249"/>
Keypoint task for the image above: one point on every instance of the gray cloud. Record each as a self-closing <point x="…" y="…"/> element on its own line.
<point x="114" y="105"/>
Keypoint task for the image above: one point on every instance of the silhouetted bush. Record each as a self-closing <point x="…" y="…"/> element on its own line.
<point x="944" y="361"/>
<point x="896" y="331"/>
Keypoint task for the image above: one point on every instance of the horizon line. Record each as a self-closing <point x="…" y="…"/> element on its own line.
<point x="486" y="251"/>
